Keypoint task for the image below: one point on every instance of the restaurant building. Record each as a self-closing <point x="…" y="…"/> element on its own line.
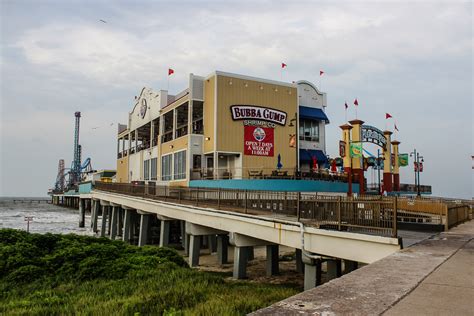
<point x="223" y="128"/>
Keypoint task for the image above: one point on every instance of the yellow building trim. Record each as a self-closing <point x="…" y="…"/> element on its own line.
<point x="208" y="110"/>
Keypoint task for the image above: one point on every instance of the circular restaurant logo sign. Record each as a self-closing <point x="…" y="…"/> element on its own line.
<point x="259" y="134"/>
<point x="143" y="108"/>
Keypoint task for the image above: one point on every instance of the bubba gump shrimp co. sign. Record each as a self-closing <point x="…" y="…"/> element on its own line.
<point x="259" y="124"/>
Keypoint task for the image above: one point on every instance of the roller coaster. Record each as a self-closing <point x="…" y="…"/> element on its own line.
<point x="68" y="178"/>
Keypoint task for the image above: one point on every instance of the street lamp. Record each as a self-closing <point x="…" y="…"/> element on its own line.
<point x="417" y="157"/>
<point x="295" y="119"/>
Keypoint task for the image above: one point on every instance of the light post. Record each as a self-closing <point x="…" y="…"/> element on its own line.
<point x="295" y="119"/>
<point x="417" y="158"/>
<point x="378" y="170"/>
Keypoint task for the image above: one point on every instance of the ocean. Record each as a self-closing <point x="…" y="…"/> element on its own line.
<point x="47" y="218"/>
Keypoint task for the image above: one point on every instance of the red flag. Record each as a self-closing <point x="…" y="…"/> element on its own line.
<point x="396" y="128"/>
<point x="321" y="73"/>
<point x="387" y="116"/>
<point x="345" y="104"/>
<point x="356" y="103"/>
<point x="170" y="71"/>
<point x="283" y="65"/>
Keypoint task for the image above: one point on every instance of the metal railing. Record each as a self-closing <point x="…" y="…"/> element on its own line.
<point x="368" y="214"/>
<point x="268" y="173"/>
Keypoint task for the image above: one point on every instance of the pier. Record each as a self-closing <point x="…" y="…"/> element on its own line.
<point x="339" y="232"/>
<point x="32" y="201"/>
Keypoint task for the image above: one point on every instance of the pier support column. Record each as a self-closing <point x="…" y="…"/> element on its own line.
<point x="144" y="224"/>
<point x="240" y="262"/>
<point x="82" y="212"/>
<point x="95" y="216"/>
<point x="182" y="226"/>
<point x="299" y="261"/>
<point x="105" y="212"/>
<point x="350" y="266"/>
<point x="194" y="249"/>
<point x="126" y="225"/>
<point x="312" y="272"/>
<point x="164" y="233"/>
<point x="222" y="249"/>
<point x="272" y="260"/>
<point x="113" y="222"/>
<point x="212" y="243"/>
<point x="334" y="268"/>
<point x="251" y="253"/>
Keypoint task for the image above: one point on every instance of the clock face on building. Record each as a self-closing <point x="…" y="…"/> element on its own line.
<point x="143" y="108"/>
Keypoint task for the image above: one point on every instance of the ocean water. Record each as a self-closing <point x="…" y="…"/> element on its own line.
<point x="47" y="218"/>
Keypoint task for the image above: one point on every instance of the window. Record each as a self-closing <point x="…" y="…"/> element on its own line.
<point x="166" y="167"/>
<point x="182" y="120"/>
<point x="196" y="161"/>
<point x="198" y="127"/>
<point x="309" y="130"/>
<point x="153" y="169"/>
<point x="146" y="170"/>
<point x="180" y="165"/>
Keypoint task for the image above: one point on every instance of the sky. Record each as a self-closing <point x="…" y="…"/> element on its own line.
<point x="412" y="59"/>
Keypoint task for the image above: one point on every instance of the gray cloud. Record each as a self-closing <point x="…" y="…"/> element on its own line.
<point x="413" y="60"/>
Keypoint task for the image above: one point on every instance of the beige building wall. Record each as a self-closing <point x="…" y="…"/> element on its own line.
<point x="230" y="133"/>
<point x="122" y="170"/>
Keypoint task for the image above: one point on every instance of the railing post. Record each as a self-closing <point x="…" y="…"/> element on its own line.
<point x="446" y="224"/>
<point x="218" y="198"/>
<point x="298" y="198"/>
<point x="197" y="196"/>
<point x="394" y="225"/>
<point x="339" y="202"/>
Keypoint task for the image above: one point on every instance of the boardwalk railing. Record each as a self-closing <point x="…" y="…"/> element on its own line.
<point x="370" y="215"/>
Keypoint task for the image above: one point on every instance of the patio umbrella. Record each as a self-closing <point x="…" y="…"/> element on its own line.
<point x="279" y="165"/>
<point x="333" y="165"/>
<point x="315" y="162"/>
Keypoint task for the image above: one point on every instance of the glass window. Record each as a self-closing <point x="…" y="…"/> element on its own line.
<point x="153" y="169"/>
<point x="146" y="170"/>
<point x="196" y="161"/>
<point x="166" y="167"/>
<point x="309" y="130"/>
<point x="180" y="165"/>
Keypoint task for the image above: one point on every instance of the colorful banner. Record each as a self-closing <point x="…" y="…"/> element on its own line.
<point x="356" y="150"/>
<point x="258" y="141"/>
<point x="403" y="160"/>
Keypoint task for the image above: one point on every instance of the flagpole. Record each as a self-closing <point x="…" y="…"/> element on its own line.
<point x="345" y="116"/>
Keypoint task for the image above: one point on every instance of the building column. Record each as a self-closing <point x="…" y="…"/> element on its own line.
<point x="222" y="249"/>
<point x="387" y="163"/>
<point x="299" y="261"/>
<point x="240" y="262"/>
<point x="164" y="233"/>
<point x="350" y="266"/>
<point x="194" y="250"/>
<point x="82" y="212"/>
<point x="334" y="268"/>
<point x="272" y="260"/>
<point x="396" y="166"/>
<point x="357" y="166"/>
<point x="144" y="224"/>
<point x="312" y="273"/>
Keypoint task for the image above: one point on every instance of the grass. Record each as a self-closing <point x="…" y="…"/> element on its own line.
<point x="50" y="274"/>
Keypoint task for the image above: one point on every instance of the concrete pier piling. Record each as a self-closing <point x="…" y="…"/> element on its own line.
<point x="334" y="268"/>
<point x="113" y="222"/>
<point x="222" y="249"/>
<point x="272" y="264"/>
<point x="194" y="250"/>
<point x="299" y="261"/>
<point x="350" y="266"/>
<point x="312" y="272"/>
<point x="144" y="225"/>
<point x="240" y="262"/>
<point x="82" y="212"/>
<point x="164" y="233"/>
<point x="95" y="215"/>
<point x="126" y="225"/>
<point x="105" y="213"/>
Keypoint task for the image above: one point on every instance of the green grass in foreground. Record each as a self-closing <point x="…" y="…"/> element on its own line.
<point x="54" y="274"/>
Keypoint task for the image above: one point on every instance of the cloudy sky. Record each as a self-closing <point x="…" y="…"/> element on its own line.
<point x="412" y="59"/>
